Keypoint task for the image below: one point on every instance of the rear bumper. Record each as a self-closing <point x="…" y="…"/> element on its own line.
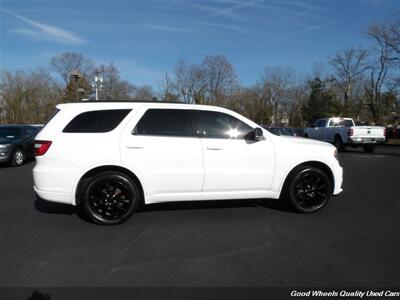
<point x="55" y="180"/>
<point x="52" y="196"/>
<point x="369" y="140"/>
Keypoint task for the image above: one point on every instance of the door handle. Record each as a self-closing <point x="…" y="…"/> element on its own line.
<point x="134" y="147"/>
<point x="214" y="148"/>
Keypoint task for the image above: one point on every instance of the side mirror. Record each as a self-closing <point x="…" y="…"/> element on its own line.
<point x="258" y="134"/>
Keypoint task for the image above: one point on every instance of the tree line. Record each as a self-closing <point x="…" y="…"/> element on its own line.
<point x="357" y="82"/>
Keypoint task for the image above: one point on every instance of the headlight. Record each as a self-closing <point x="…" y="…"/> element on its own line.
<point x="2" y="146"/>
<point x="336" y="154"/>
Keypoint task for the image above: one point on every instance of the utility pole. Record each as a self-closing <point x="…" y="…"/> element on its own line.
<point x="76" y="75"/>
<point x="98" y="83"/>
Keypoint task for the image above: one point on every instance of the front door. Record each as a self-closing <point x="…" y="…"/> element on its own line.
<point x="233" y="161"/>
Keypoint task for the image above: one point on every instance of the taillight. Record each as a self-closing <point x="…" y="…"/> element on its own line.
<point x="350" y="132"/>
<point x="41" y="147"/>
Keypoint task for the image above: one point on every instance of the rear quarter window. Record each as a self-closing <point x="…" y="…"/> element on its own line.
<point x="97" y="121"/>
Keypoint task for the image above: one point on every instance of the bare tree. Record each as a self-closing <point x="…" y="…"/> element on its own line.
<point x="65" y="62"/>
<point x="349" y="65"/>
<point x="389" y="35"/>
<point x="167" y="89"/>
<point x="378" y="73"/>
<point x="143" y="93"/>
<point x="276" y="82"/>
<point x="113" y="87"/>
<point x="190" y="82"/>
<point x="220" y="78"/>
<point x="27" y="97"/>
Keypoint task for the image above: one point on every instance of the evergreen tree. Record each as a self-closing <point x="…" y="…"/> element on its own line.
<point x="77" y="89"/>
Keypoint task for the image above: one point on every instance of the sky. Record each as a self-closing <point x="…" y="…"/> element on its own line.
<point x="145" y="38"/>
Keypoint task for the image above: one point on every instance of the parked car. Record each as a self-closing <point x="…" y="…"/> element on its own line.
<point x="17" y="143"/>
<point x="109" y="157"/>
<point x="342" y="132"/>
<point x="392" y="132"/>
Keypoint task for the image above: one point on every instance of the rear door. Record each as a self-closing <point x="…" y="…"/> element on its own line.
<point x="29" y="136"/>
<point x="322" y="130"/>
<point x="163" y="151"/>
<point x="232" y="160"/>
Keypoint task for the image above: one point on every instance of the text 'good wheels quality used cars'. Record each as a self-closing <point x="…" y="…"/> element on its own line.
<point x="111" y="157"/>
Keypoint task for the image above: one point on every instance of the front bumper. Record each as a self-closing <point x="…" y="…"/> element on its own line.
<point x="338" y="176"/>
<point x="5" y="156"/>
<point x="368" y="140"/>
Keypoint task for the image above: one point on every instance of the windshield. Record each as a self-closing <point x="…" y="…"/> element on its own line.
<point x="9" y="132"/>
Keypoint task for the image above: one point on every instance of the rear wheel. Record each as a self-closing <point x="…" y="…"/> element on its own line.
<point x="309" y="189"/>
<point x="110" y="198"/>
<point x="18" y="158"/>
<point x="339" y="144"/>
<point x="369" y="148"/>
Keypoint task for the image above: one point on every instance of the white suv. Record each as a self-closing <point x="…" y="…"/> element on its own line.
<point x="110" y="157"/>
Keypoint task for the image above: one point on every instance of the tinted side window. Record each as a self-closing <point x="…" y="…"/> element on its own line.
<point x="29" y="132"/>
<point x="322" y="123"/>
<point x="97" y="121"/>
<point x="221" y="126"/>
<point x="165" y="122"/>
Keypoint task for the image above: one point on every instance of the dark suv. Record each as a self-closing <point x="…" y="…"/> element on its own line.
<point x="17" y="143"/>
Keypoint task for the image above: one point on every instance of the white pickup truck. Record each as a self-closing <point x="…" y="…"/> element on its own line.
<point x="342" y="132"/>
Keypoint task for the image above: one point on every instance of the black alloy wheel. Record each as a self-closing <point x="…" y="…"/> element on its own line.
<point x="310" y="189"/>
<point x="110" y="198"/>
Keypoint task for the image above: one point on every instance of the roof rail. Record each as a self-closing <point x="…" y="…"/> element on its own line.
<point x="127" y="101"/>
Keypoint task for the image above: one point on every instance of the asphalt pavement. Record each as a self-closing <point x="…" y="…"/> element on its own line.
<point x="354" y="241"/>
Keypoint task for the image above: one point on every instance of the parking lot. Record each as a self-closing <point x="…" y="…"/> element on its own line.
<point x="354" y="241"/>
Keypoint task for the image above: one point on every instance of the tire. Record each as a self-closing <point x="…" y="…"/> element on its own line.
<point x="308" y="189"/>
<point x="110" y="198"/>
<point x="306" y="136"/>
<point x="18" y="158"/>
<point x="369" y="148"/>
<point x="339" y="144"/>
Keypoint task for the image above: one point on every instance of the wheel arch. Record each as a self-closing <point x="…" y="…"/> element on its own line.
<point x="106" y="168"/>
<point x="338" y="135"/>
<point x="312" y="163"/>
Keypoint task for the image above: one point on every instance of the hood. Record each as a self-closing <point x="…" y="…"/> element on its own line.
<point x="311" y="142"/>
<point x="4" y="140"/>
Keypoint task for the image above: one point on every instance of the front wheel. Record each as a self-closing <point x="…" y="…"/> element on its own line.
<point x="369" y="148"/>
<point x="309" y="189"/>
<point x="110" y="198"/>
